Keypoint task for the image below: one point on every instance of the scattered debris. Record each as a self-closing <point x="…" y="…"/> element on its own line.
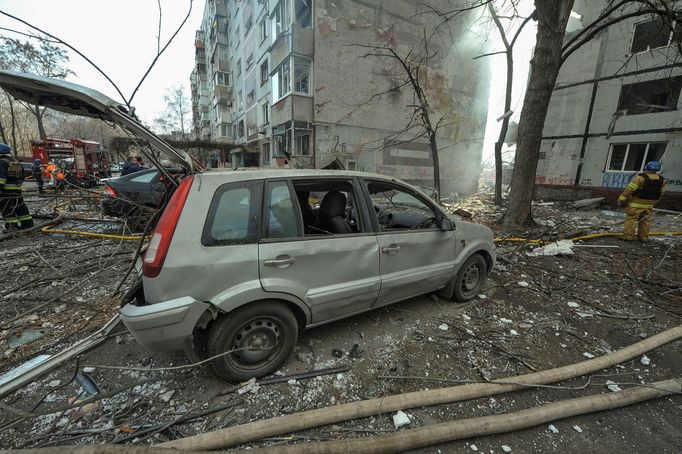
<point x="401" y="419"/>
<point x="613" y="387"/>
<point x="473" y="447"/>
<point x="573" y="305"/>
<point x="506" y="448"/>
<point x="552" y="428"/>
<point x="250" y="387"/>
<point x="588" y="355"/>
<point x="523" y="284"/>
<point x="19" y="337"/>
<point x="645" y="360"/>
<point x="578" y="429"/>
<point x="443" y="327"/>
<point x="563" y="247"/>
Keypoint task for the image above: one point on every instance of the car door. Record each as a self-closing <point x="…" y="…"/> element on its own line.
<point x="416" y="256"/>
<point x="336" y="274"/>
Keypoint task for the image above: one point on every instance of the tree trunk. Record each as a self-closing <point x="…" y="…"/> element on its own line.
<point x="41" y="127"/>
<point x="552" y="16"/>
<point x="436" y="163"/>
<point x="504" y="128"/>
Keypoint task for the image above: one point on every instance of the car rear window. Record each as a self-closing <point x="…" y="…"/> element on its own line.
<point x="145" y="178"/>
<point x="233" y="217"/>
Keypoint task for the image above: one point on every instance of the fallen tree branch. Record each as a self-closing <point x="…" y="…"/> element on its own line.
<point x="486" y="425"/>
<point x="314" y="418"/>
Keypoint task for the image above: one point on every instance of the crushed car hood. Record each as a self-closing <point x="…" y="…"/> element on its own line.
<point x="79" y="100"/>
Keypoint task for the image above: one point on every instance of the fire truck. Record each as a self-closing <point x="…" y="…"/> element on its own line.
<point x="84" y="161"/>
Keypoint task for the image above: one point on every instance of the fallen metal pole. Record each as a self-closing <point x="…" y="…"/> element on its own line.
<point x="330" y="415"/>
<point x="55" y="360"/>
<point x="486" y="425"/>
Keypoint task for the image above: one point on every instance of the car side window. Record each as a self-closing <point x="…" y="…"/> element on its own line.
<point x="281" y="216"/>
<point x="233" y="217"/>
<point x="146" y="178"/>
<point x="397" y="208"/>
<point x="328" y="207"/>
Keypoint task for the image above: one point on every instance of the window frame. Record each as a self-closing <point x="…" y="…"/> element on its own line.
<point x="279" y="75"/>
<point x="646" y="159"/>
<point x="256" y="188"/>
<point x="375" y="220"/>
<point x="671" y="37"/>
<point x="264" y="71"/>
<point x="265" y="111"/>
<point x="266" y="209"/>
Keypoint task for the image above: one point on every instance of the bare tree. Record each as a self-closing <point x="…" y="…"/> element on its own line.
<point x="176" y="116"/>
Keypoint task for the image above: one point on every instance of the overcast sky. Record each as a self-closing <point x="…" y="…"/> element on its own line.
<point x="120" y="37"/>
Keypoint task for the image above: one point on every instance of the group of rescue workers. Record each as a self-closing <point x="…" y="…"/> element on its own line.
<point x="639" y="197"/>
<point x="13" y="209"/>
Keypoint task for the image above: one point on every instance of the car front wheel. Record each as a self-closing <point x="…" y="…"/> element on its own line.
<point x="470" y="278"/>
<point x="259" y="337"/>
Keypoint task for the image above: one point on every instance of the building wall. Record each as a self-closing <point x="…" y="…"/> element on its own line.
<point x="600" y="69"/>
<point x="348" y="125"/>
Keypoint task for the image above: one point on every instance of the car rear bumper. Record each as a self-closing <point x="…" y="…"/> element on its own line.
<point x="163" y="326"/>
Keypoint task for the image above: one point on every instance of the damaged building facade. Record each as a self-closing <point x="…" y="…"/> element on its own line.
<point x="616" y="106"/>
<point x="294" y="82"/>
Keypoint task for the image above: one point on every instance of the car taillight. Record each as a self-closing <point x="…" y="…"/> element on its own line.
<point x="111" y="191"/>
<point x="163" y="233"/>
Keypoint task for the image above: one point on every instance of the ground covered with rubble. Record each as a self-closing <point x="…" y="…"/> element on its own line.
<point x="560" y="304"/>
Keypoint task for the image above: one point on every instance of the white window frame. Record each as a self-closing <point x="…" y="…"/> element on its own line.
<point x="627" y="152"/>
<point x="280" y="18"/>
<point x="649" y="48"/>
<point x="266" y="65"/>
<point x="265" y="113"/>
<point x="283" y="81"/>
<point x="263" y="30"/>
<point x="298" y="136"/>
<point x="221" y="78"/>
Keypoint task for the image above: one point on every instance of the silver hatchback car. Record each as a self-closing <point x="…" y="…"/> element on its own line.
<point x="241" y="261"/>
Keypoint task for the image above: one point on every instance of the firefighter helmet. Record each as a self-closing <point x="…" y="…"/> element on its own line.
<point x="4" y="148"/>
<point x="654" y="166"/>
<point x="37" y="161"/>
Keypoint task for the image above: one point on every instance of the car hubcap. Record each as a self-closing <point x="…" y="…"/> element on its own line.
<point x="471" y="277"/>
<point x="256" y="341"/>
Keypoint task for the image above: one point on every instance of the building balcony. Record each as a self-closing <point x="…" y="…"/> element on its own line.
<point x="222" y="91"/>
<point x="292" y="107"/>
<point x="297" y="39"/>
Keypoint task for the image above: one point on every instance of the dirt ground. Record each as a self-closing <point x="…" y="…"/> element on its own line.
<point x="535" y="313"/>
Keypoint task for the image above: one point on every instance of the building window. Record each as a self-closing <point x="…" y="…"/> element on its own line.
<point x="240" y="100"/>
<point x="249" y="23"/>
<point x="249" y="61"/>
<point x="301" y="75"/>
<point x="632" y="157"/>
<point x="263" y="29"/>
<point x="239" y="67"/>
<point x="302" y="143"/>
<point x="225" y="129"/>
<point x="659" y="95"/>
<point x="281" y="18"/>
<point x="265" y="152"/>
<point x="240" y="128"/>
<point x="221" y="78"/>
<point x="265" y="113"/>
<point x="653" y="34"/>
<point x="237" y="36"/>
<point x="303" y="9"/>
<point x="264" y="72"/>
<point x="250" y="97"/>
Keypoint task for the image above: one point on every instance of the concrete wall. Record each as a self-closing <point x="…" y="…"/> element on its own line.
<point x="607" y="59"/>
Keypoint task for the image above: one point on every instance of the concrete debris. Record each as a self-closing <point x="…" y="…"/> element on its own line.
<point x="573" y="305"/>
<point x="613" y="387"/>
<point x="563" y="247"/>
<point x="523" y="284"/>
<point x="578" y="429"/>
<point x="466" y="318"/>
<point x="473" y="447"/>
<point x="645" y="360"/>
<point x="506" y="448"/>
<point x="89" y="370"/>
<point x="20" y="337"/>
<point x="166" y="397"/>
<point x="443" y="327"/>
<point x="54" y="383"/>
<point x="584" y="314"/>
<point x="588" y="355"/>
<point x="505" y="320"/>
<point x="552" y="428"/>
<point x="249" y="387"/>
<point x="513" y="332"/>
<point x="482" y="296"/>
<point x="401" y="419"/>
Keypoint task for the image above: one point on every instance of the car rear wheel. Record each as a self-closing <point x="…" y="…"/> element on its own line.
<point x="260" y="337"/>
<point x="470" y="278"/>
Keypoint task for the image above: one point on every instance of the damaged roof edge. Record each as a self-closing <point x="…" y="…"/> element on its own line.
<point x="79" y="100"/>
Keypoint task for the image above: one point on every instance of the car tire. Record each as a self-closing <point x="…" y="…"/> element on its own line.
<point x="470" y="278"/>
<point x="266" y="324"/>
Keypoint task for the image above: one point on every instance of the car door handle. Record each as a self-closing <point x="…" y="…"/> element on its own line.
<point x="283" y="261"/>
<point x="392" y="249"/>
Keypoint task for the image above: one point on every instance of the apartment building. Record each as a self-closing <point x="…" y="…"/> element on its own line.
<point x="615" y="107"/>
<point x="294" y="83"/>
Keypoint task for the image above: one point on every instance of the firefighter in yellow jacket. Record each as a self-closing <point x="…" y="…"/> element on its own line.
<point x="12" y="207"/>
<point x="639" y="198"/>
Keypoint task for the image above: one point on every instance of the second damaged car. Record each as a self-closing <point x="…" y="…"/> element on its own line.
<point x="241" y="261"/>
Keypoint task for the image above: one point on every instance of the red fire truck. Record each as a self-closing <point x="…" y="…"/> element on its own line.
<point x="83" y="161"/>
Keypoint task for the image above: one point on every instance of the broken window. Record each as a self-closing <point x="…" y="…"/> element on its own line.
<point x="653" y="34"/>
<point x="265" y="152"/>
<point x="265" y="113"/>
<point x="302" y="143"/>
<point x="301" y="75"/>
<point x="327" y="207"/>
<point x="283" y="80"/>
<point x="281" y="18"/>
<point x="632" y="157"/>
<point x="303" y="10"/>
<point x="282" y="220"/>
<point x="398" y="208"/>
<point x="660" y="95"/>
<point x="240" y="128"/>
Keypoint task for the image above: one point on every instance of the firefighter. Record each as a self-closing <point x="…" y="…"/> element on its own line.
<point x="49" y="172"/>
<point x="59" y="178"/>
<point x="37" y="173"/>
<point x="639" y="198"/>
<point x="12" y="207"/>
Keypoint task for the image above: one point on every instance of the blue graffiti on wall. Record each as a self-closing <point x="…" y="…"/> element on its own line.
<point x="616" y="180"/>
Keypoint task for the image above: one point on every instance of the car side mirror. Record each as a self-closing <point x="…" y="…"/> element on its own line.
<point x="446" y="224"/>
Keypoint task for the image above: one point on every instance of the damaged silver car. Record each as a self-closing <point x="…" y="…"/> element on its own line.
<point x="241" y="261"/>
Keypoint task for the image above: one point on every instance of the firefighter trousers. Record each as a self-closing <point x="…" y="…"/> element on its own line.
<point x="14" y="210"/>
<point x="637" y="222"/>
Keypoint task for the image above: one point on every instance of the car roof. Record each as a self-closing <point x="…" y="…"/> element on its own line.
<point x="257" y="173"/>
